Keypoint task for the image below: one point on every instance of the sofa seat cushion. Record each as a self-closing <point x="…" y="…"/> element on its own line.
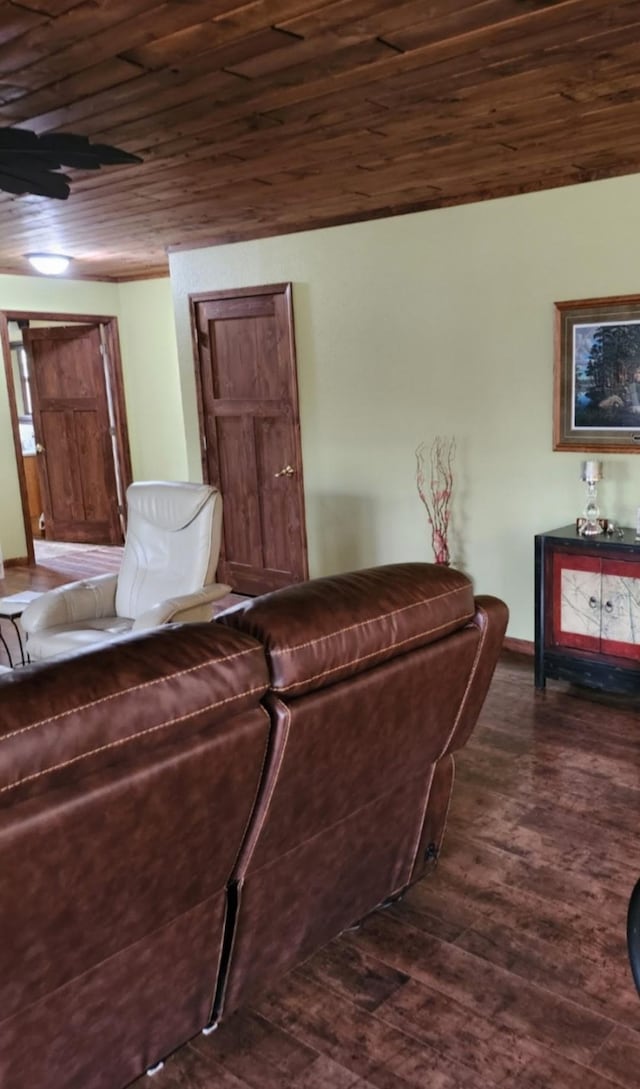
<point x="321" y="631"/>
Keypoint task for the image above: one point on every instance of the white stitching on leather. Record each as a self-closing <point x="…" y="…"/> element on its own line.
<point x="372" y="620"/>
<point x="372" y="654"/>
<point x="126" y="692"/>
<point x="132" y="737"/>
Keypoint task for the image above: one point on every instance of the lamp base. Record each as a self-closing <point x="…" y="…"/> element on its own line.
<point x="585" y="527"/>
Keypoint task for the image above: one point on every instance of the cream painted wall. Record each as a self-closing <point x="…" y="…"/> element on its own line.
<point x="437" y="323"/>
<point x="152" y="390"/>
<point x="152" y="381"/>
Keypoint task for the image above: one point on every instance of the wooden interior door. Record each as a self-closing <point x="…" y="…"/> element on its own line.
<point x="250" y="426"/>
<point x="74" y="434"/>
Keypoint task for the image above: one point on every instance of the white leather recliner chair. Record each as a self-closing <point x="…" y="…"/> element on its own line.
<point x="168" y="567"/>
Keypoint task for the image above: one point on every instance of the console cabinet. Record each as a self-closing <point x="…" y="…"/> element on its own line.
<point x="587" y="609"/>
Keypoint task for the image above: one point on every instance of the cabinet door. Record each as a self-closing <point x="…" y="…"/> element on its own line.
<point x="576" y="611"/>
<point x="620" y="614"/>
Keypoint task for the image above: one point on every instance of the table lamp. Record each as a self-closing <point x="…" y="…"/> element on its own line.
<point x="591" y="473"/>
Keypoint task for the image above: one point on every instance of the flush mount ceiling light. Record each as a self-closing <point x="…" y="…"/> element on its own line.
<point x="49" y="264"/>
<point x="29" y="163"/>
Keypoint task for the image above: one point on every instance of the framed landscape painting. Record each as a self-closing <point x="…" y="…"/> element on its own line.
<point x="597" y="374"/>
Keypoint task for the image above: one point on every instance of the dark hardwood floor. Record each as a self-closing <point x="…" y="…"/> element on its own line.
<point x="56" y="564"/>
<point x="507" y="966"/>
<point x="59" y="563"/>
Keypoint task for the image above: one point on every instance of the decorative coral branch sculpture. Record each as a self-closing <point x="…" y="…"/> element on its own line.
<point x="436" y="493"/>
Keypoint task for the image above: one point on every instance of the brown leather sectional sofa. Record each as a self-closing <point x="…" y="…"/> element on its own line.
<point x="187" y="813"/>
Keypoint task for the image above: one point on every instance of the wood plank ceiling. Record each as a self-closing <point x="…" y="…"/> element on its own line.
<point x="272" y="116"/>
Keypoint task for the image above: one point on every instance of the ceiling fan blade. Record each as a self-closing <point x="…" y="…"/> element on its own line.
<point x="112" y="155"/>
<point x="29" y="168"/>
<point x="47" y="185"/>
<point x="70" y="148"/>
<point x="13" y="185"/>
<point x="18" y="140"/>
<point x="24" y="160"/>
<point x="78" y="160"/>
<point x="29" y="163"/>
<point x="64" y="141"/>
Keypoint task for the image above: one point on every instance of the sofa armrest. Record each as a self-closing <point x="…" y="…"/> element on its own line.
<point x="185" y="609"/>
<point x="82" y="600"/>
<point x="491" y="620"/>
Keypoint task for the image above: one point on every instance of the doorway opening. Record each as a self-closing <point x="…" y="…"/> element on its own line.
<point x="66" y="399"/>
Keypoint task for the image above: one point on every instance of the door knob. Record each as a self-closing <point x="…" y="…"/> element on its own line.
<point x="287" y="471"/>
<point x="39" y="448"/>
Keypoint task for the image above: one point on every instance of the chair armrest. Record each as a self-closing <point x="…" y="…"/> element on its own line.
<point x="82" y="600"/>
<point x="185" y="609"/>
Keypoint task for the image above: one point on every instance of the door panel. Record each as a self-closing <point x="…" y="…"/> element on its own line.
<point x="277" y="503"/>
<point x="621" y="609"/>
<point x="576" y="602"/>
<point x="248" y="394"/>
<point x="97" y="499"/>
<point x="62" y="494"/>
<point x="239" y="486"/>
<point x="239" y="349"/>
<point x="72" y="425"/>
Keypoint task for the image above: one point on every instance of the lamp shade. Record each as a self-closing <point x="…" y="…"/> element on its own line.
<point x="591" y="472"/>
<point x="49" y="264"/>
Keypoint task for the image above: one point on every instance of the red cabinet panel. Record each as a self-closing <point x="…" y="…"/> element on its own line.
<point x="588" y="609"/>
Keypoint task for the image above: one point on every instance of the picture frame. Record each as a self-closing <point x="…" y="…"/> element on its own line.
<point x="597" y="374"/>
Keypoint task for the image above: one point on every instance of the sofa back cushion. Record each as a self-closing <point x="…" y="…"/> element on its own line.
<point x="64" y="718"/>
<point x="172" y="543"/>
<point x="322" y="631"/>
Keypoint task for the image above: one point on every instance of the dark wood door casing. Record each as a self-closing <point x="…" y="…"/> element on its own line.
<point x="250" y="432"/>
